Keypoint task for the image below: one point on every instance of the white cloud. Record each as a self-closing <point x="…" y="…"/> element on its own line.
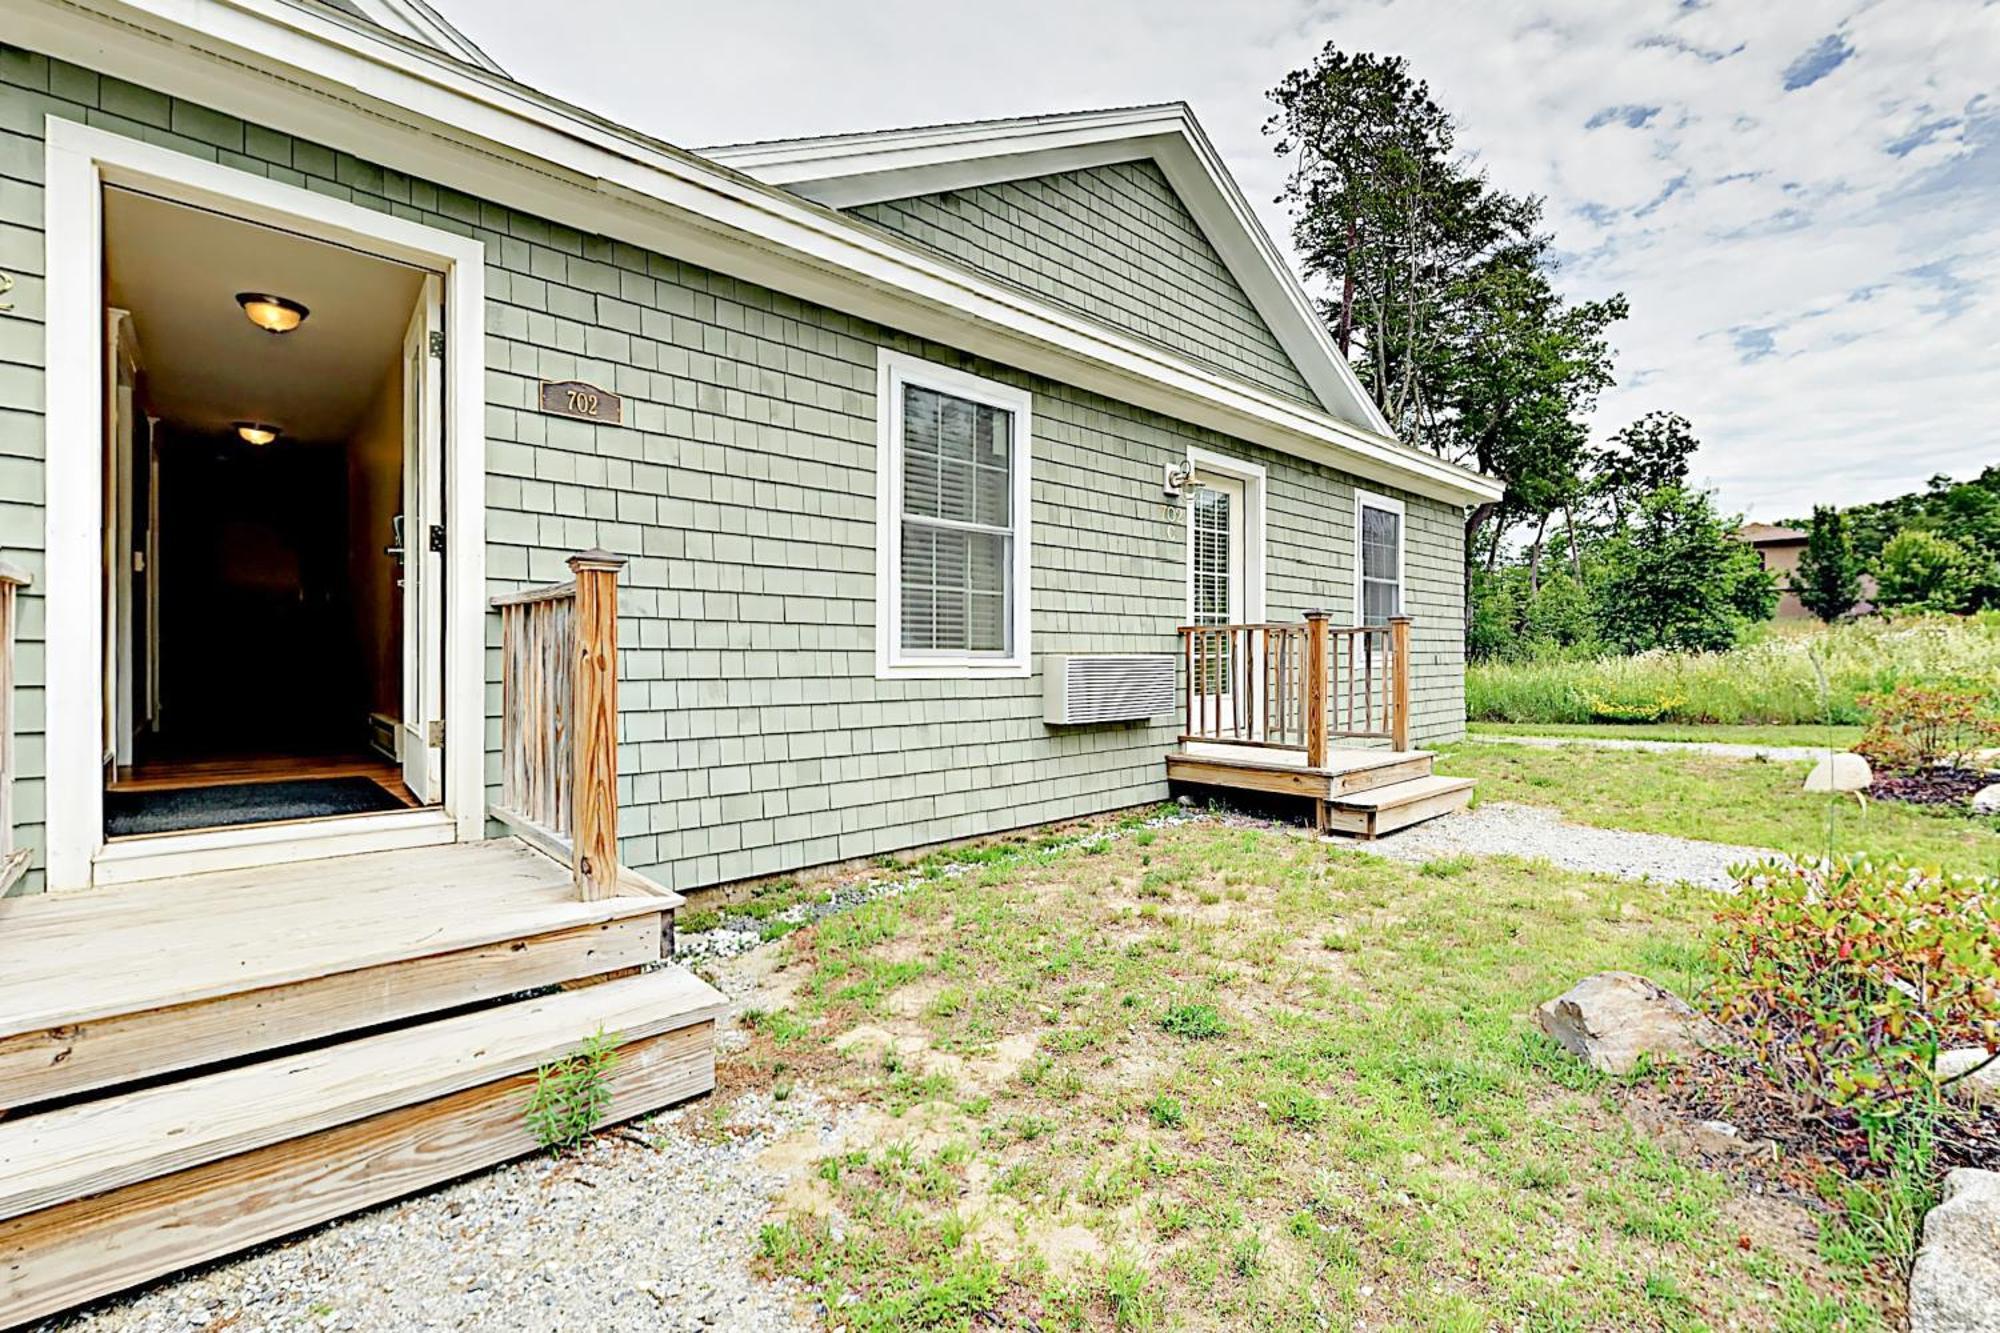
<point x="1820" y="294"/>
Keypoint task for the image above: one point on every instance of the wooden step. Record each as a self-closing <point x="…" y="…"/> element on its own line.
<point x="125" y="1188"/>
<point x="1283" y="773"/>
<point x="1380" y="810"/>
<point x="207" y="968"/>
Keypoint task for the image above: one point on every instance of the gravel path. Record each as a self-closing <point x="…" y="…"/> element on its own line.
<point x="1724" y="749"/>
<point x="649" y="1228"/>
<point x="1502" y="828"/>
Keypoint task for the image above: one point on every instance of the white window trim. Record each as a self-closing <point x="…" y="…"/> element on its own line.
<point x="1370" y="500"/>
<point x="1255" y="484"/>
<point x="79" y="161"/>
<point x="895" y="371"/>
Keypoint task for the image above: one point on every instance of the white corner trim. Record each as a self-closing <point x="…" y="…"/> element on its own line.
<point x="894" y="371"/>
<point x="1255" y="486"/>
<point x="79" y="162"/>
<point x="1370" y="500"/>
<point x="406" y="108"/>
<point x="845" y="171"/>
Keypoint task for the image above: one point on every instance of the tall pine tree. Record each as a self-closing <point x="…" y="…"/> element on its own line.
<point x="1826" y="581"/>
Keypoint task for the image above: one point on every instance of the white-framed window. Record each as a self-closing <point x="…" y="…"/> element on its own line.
<point x="1378" y="558"/>
<point x="951" y="524"/>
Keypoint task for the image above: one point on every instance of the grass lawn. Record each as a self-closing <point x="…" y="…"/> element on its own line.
<point x="1721" y="800"/>
<point x="1812" y="734"/>
<point x="1216" y="1077"/>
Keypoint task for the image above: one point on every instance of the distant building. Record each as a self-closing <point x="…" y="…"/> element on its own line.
<point x="1780" y="549"/>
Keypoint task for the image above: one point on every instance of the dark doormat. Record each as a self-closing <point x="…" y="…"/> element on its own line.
<point x="171" y="810"/>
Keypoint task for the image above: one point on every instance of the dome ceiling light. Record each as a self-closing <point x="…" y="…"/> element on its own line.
<point x="257" y="432"/>
<point x="273" y="314"/>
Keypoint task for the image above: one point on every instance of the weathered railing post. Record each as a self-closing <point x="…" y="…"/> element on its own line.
<point x="594" y="723"/>
<point x="1316" y="687"/>
<point x="1399" y="681"/>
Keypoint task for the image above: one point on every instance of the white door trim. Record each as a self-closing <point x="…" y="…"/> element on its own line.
<point x="1254" y="480"/>
<point x="81" y="160"/>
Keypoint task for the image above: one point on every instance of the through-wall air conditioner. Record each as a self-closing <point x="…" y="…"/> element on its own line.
<point x="1107" y="687"/>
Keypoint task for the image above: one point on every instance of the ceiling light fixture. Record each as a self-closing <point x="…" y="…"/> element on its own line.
<point x="257" y="432"/>
<point x="273" y="314"/>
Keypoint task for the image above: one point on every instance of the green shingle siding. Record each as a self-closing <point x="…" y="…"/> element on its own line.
<point x="1115" y="243"/>
<point x="754" y="737"/>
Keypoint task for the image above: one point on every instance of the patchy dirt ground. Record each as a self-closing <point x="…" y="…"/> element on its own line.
<point x="1227" y="1076"/>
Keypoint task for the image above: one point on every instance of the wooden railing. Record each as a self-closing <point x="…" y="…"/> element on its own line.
<point x="1297" y="687"/>
<point x="13" y="860"/>
<point x="559" y="719"/>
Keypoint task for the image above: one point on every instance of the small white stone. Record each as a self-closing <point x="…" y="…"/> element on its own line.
<point x="1980" y="1089"/>
<point x="1840" y="772"/>
<point x="1986" y="801"/>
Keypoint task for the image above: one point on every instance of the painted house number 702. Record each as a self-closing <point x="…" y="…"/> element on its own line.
<point x="582" y="401"/>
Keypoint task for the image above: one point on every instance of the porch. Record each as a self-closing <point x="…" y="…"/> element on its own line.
<point x="201" y="1062"/>
<point x="1310" y="710"/>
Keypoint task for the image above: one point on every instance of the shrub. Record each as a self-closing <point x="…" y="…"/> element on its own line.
<point x="1851" y="976"/>
<point x="1913" y="727"/>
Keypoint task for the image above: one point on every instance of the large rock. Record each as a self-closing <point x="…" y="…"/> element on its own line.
<point x="1980" y="1089"/>
<point x="1840" y="772"/>
<point x="1986" y="801"/>
<point x="1955" y="1285"/>
<point x="1611" y="1019"/>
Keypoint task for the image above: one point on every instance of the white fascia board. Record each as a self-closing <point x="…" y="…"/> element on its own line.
<point x="850" y="170"/>
<point x="392" y="103"/>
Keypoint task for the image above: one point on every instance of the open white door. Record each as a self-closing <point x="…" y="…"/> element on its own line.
<point x="422" y="546"/>
<point x="120" y="444"/>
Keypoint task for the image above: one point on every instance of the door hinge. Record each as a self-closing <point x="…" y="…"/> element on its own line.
<point x="437" y="538"/>
<point x="435" y="735"/>
<point x="437" y="344"/>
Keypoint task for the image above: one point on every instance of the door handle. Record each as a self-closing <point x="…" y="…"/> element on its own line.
<point x="395" y="548"/>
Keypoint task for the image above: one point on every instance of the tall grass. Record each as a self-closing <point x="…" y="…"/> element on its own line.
<point x="1772" y="680"/>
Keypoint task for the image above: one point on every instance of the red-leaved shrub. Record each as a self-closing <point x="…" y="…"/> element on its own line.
<point x="1916" y="726"/>
<point x="1850" y="976"/>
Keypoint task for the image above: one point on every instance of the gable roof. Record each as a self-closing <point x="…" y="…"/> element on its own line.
<point x="849" y="170"/>
<point x="305" y="68"/>
<point x="417" y="21"/>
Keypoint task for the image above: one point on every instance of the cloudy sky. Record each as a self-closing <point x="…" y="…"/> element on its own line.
<point x="1801" y="199"/>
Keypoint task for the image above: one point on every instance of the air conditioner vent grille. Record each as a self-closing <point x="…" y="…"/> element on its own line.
<point x="1108" y="687"/>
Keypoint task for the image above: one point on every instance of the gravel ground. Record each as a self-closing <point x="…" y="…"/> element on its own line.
<point x="1502" y="828"/>
<point x="648" y="1228"/>
<point x="1723" y="749"/>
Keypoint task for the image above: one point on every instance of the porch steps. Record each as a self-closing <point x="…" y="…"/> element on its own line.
<point x="195" y="1065"/>
<point x="103" y="986"/>
<point x="1380" y="810"/>
<point x="1363" y="793"/>
<point x="104" y="1193"/>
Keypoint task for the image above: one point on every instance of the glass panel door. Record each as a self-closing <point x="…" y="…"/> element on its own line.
<point x="1216" y="563"/>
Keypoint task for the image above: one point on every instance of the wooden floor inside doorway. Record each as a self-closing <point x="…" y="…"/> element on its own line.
<point x="165" y="774"/>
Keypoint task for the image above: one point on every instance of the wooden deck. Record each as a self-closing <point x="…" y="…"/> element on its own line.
<point x="195" y="1065"/>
